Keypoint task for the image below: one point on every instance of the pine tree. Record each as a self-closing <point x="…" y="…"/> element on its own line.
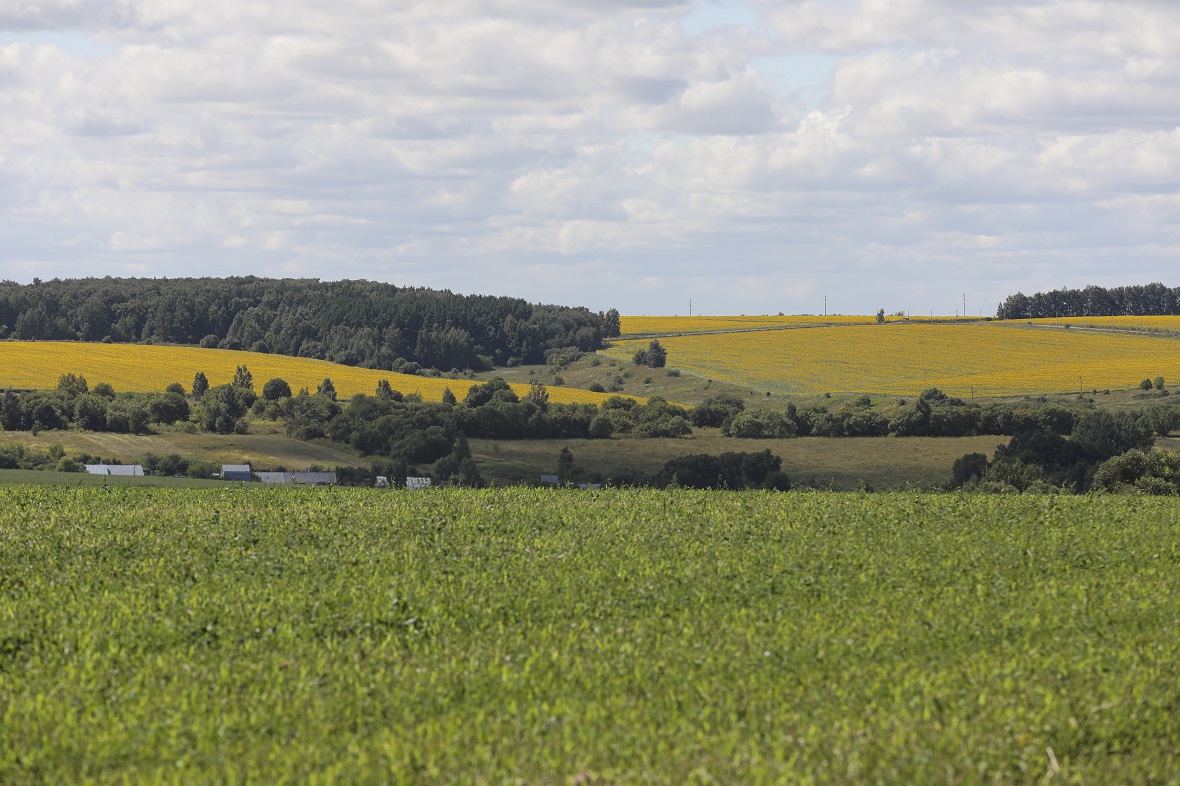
<point x="200" y="384"/>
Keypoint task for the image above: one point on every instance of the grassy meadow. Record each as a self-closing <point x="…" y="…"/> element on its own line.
<point x="266" y="446"/>
<point x="971" y="359"/>
<point x="843" y="464"/>
<point x="529" y="636"/>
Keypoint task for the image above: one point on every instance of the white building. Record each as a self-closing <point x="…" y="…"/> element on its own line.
<point x="125" y="470"/>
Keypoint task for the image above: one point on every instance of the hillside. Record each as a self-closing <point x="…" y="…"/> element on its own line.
<point x="356" y="323"/>
<point x="970" y="359"/>
<point x="32" y="365"/>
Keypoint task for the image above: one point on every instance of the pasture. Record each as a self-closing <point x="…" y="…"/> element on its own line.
<point x="346" y="636"/>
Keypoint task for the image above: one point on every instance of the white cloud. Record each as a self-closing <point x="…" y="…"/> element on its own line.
<point x="622" y="153"/>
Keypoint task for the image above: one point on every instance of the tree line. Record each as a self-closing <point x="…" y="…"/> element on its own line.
<point x="1052" y="446"/>
<point x="356" y="323"/>
<point x="932" y="414"/>
<point x="1040" y="459"/>
<point x="1094" y="301"/>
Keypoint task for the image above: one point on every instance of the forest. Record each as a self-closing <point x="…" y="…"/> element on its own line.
<point x="1141" y="300"/>
<point x="356" y="323"/>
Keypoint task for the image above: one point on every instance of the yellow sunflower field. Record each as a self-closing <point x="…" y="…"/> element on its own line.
<point x="148" y="368"/>
<point x="989" y="359"/>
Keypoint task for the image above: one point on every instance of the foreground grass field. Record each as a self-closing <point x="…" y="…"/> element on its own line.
<point x="330" y="636"/>
<point x="990" y="359"/>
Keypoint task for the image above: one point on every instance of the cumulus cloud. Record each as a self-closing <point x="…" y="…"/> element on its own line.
<point x="753" y="156"/>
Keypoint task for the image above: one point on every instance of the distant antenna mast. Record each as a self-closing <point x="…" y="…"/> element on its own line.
<point x="825" y="305"/>
<point x="690" y="307"/>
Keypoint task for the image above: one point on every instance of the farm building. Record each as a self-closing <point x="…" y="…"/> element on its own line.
<point x="311" y="478"/>
<point x="417" y="484"/>
<point x="126" y="470"/>
<point x="553" y="480"/>
<point x="235" y="472"/>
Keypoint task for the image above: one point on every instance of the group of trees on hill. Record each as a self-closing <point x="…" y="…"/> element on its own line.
<point x="387" y="426"/>
<point x="74" y="403"/>
<point x="1149" y="299"/>
<point x="1041" y="459"/>
<point x="357" y="323"/>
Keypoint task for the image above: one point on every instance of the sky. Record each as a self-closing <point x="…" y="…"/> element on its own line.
<point x="745" y="157"/>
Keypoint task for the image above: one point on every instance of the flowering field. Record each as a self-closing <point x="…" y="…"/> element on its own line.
<point x="989" y="359"/>
<point x="649" y="325"/>
<point x="1120" y="322"/>
<point x="148" y="368"/>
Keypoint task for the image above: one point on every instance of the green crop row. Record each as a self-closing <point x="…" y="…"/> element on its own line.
<point x="539" y="636"/>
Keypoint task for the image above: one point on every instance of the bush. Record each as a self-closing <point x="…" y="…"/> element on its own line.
<point x="275" y="389"/>
<point x="760" y="425"/>
<point x="1155" y="472"/>
<point x="1145" y="384"/>
<point x="601" y="427"/>
<point x="971" y="466"/>
<point x="69" y="465"/>
<point x="655" y="356"/>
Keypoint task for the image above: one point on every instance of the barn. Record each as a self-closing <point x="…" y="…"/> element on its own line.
<point x="310" y="478"/>
<point x="125" y="470"/>
<point x="236" y="472"/>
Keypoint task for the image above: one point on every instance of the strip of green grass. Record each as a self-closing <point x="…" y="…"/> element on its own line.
<point x="266" y="448"/>
<point x="296" y="635"/>
<point x="823" y="462"/>
<point x="20" y="477"/>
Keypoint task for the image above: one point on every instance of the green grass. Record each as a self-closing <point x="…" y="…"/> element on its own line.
<point x="532" y="636"/>
<point x="19" y="477"/>
<point x="684" y="388"/>
<point x="821" y="462"/>
<point x="267" y="446"/>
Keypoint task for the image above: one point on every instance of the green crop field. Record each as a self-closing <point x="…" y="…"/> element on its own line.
<point x="530" y="636"/>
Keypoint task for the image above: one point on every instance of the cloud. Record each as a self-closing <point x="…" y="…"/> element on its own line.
<point x="623" y="153"/>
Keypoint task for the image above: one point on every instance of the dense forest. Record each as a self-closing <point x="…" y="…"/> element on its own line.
<point x="1094" y="301"/>
<point x="357" y="323"/>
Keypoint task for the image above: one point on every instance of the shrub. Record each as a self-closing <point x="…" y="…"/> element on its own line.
<point x="971" y="466"/>
<point x="275" y="389"/>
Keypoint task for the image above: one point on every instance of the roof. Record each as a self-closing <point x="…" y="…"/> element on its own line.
<point x="235" y="468"/>
<point x="274" y="477"/>
<point x="297" y="477"/>
<point x="134" y="470"/>
<point x="314" y="477"/>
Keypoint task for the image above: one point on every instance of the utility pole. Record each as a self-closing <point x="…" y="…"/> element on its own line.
<point x="825" y="305"/>
<point x="964" y="305"/>
<point x="690" y="307"/>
